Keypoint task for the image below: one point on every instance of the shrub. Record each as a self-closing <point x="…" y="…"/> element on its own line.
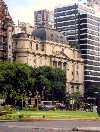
<point x="20" y="115"/>
<point x="33" y="109"/>
<point x="7" y="109"/>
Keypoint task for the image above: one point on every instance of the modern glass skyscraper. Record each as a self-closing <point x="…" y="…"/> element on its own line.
<point x="80" y="24"/>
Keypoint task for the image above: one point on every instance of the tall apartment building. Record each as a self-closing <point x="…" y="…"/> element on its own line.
<point x="6" y="29"/>
<point x="80" y="24"/>
<point x="94" y="4"/>
<point x="44" y="18"/>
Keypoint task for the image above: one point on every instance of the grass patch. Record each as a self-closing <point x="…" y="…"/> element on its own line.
<point x="51" y="114"/>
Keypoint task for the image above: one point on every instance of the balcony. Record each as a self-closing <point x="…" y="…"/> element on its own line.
<point x="23" y="50"/>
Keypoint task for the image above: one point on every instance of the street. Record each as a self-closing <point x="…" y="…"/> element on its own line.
<point x="49" y="126"/>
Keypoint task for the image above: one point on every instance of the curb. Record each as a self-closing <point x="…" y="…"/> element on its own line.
<point x="48" y="119"/>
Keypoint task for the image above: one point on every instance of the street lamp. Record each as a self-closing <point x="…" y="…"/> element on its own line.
<point x="30" y="94"/>
<point x="72" y="103"/>
<point x="37" y="99"/>
<point x="23" y="96"/>
<point x="43" y="93"/>
<point x="98" y="103"/>
<point x="96" y="95"/>
<point x="98" y="106"/>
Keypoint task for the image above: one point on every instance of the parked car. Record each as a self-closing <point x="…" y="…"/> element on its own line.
<point x="44" y="108"/>
<point x="18" y="108"/>
<point x="51" y="107"/>
<point x="62" y="107"/>
<point x="48" y="107"/>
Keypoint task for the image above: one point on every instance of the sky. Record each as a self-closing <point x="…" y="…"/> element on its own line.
<point x="23" y="10"/>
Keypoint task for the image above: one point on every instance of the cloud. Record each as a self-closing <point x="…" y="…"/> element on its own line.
<point x="23" y="15"/>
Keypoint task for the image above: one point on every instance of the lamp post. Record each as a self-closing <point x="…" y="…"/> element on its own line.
<point x="23" y="96"/>
<point x="98" y="103"/>
<point x="43" y="92"/>
<point x="72" y="103"/>
<point x="98" y="106"/>
<point x="37" y="99"/>
<point x="96" y="95"/>
<point x="30" y="94"/>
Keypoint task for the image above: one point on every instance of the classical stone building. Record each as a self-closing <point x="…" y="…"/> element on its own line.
<point x="49" y="47"/>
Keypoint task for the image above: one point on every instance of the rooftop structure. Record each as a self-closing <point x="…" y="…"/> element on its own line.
<point x="23" y="27"/>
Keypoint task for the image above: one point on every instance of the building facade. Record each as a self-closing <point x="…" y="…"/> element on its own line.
<point x="81" y="25"/>
<point x="50" y="48"/>
<point x="44" y="18"/>
<point x="23" y="27"/>
<point x="94" y="4"/>
<point x="6" y="30"/>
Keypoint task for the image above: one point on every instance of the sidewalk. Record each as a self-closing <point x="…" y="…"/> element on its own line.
<point x="89" y="129"/>
<point x="82" y="128"/>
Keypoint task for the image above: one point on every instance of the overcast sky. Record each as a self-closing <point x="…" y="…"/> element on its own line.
<point x="23" y="10"/>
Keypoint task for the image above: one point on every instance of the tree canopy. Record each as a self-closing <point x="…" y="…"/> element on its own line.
<point x="15" y="79"/>
<point x="50" y="82"/>
<point x="92" y="90"/>
<point x="18" y="80"/>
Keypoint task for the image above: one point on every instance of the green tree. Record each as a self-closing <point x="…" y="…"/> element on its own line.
<point x="77" y="101"/>
<point x="50" y="83"/>
<point x="18" y="80"/>
<point x="90" y="91"/>
<point x="15" y="80"/>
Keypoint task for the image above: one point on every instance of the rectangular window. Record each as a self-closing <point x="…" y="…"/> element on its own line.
<point x="36" y="46"/>
<point x="30" y="44"/>
<point x="9" y="46"/>
<point x="42" y="47"/>
<point x="77" y="87"/>
<point x="16" y="43"/>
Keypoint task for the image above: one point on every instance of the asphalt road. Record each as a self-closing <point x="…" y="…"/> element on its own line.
<point x="47" y="126"/>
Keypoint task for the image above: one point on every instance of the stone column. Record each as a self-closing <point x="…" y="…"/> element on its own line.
<point x="62" y="65"/>
<point x="51" y="63"/>
<point x="57" y="64"/>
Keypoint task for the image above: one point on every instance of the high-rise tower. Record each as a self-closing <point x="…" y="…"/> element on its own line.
<point x="44" y="18"/>
<point x="81" y="25"/>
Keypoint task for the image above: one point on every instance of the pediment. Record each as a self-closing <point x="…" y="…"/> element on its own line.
<point x="62" y="53"/>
